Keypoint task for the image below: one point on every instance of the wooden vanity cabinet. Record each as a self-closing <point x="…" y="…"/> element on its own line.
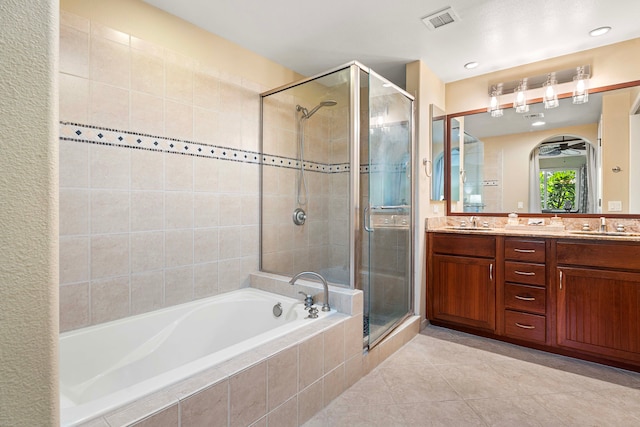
<point x="462" y="286"/>
<point x="524" y="291"/>
<point x="598" y="298"/>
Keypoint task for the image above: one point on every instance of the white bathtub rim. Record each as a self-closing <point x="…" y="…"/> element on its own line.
<point x="71" y="416"/>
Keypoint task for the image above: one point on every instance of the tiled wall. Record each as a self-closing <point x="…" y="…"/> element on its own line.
<point x="145" y="225"/>
<point x="322" y="243"/>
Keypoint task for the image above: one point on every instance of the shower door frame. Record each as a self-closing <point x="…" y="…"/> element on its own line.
<point x="356" y="217"/>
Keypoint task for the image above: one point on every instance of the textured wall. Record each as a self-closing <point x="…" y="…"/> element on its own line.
<point x="28" y="213"/>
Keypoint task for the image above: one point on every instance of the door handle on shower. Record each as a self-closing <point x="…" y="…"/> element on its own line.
<point x="366" y="224"/>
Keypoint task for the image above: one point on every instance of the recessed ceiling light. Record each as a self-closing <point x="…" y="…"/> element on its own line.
<point x="471" y="65"/>
<point x="538" y="123"/>
<point x="599" y="31"/>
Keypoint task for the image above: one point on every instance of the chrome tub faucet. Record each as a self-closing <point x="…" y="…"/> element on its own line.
<point x="325" y="304"/>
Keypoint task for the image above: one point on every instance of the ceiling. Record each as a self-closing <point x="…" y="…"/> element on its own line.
<point x="310" y="37"/>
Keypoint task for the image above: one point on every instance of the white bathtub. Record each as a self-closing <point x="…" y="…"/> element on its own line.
<point x="105" y="366"/>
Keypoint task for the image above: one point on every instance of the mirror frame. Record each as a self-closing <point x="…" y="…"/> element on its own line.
<point x="447" y="165"/>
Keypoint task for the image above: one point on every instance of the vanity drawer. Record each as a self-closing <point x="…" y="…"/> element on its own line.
<point x="529" y="250"/>
<point x="530" y="327"/>
<point x="464" y="245"/>
<point x="522" y="272"/>
<point x="525" y="298"/>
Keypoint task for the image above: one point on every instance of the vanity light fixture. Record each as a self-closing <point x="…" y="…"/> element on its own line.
<point x="550" y="96"/>
<point x="599" y="31"/>
<point x="520" y="101"/>
<point x="494" y="104"/>
<point x="581" y="86"/>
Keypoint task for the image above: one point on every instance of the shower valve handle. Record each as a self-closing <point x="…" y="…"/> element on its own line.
<point x="308" y="300"/>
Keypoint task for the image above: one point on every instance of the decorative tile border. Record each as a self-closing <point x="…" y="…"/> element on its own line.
<point x="118" y="138"/>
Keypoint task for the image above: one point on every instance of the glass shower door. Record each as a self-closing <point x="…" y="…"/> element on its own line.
<point x="388" y="233"/>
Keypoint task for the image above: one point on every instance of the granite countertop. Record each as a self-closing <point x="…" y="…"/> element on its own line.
<point x="540" y="231"/>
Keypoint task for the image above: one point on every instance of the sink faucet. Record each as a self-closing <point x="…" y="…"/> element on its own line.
<point x="325" y="304"/>
<point x="603" y="224"/>
<point x="474" y="221"/>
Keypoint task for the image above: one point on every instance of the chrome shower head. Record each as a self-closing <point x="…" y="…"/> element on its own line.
<point x="306" y="114"/>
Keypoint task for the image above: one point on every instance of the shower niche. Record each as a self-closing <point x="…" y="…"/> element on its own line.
<point x="337" y="188"/>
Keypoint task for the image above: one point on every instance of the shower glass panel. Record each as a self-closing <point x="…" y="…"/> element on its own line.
<point x="388" y="210"/>
<point x="305" y="178"/>
<point x="337" y="188"/>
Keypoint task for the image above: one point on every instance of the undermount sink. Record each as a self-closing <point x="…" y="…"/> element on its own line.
<point x="605" y="233"/>
<point x="459" y="227"/>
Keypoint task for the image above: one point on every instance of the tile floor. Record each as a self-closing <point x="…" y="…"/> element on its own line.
<point x="448" y="378"/>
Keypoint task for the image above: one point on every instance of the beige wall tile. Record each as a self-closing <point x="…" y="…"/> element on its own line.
<point x="205" y="279"/>
<point x="178" y="210"/>
<point x="147" y="251"/>
<point x="230" y="242"/>
<point x="179" y="81"/>
<point x="333" y="347"/>
<point x="178" y="172"/>
<point x="250" y="210"/>
<point x="228" y="181"/>
<point x="74" y="51"/>
<point x="74" y="98"/>
<point x="109" y="211"/>
<point x="206" y="91"/>
<point x="248" y="395"/>
<point x="74" y="159"/>
<point x="250" y="241"/>
<point x="282" y="377"/>
<point x="178" y="285"/>
<point x="231" y="97"/>
<point x="206" y="408"/>
<point x="178" y="248"/>
<point x="205" y="174"/>
<point x="262" y="422"/>
<point x="230" y="275"/>
<point x="333" y="384"/>
<point x="166" y="418"/>
<point x="99" y="30"/>
<point x="74" y="21"/>
<point x="74" y="306"/>
<point x="206" y="209"/>
<point x="74" y="259"/>
<point x="147" y="291"/>
<point x="74" y="211"/>
<point x="353" y="327"/>
<point x="147" y="170"/>
<point x="352" y="371"/>
<point x="180" y="124"/>
<point x="147" y="210"/>
<point x="206" y="245"/>
<point x="147" y="113"/>
<point x="250" y="134"/>
<point x="205" y="125"/>
<point x="285" y="415"/>
<point x="147" y="71"/>
<point x="311" y="361"/>
<point x="109" y="255"/>
<point x="109" y="167"/>
<point x="230" y="209"/>
<point x="310" y="402"/>
<point x="109" y="62"/>
<point x="109" y="299"/>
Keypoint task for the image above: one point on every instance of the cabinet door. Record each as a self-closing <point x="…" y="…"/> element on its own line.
<point x="464" y="291"/>
<point x="599" y="312"/>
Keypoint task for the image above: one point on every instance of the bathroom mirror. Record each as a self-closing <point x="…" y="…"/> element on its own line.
<point x="438" y="128"/>
<point x="514" y="163"/>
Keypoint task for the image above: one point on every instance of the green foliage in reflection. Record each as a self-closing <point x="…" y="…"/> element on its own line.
<point x="560" y="188"/>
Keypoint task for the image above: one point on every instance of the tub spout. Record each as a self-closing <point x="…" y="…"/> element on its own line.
<point x="325" y="304"/>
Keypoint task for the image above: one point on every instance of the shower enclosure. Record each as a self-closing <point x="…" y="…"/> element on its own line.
<point x="337" y="188"/>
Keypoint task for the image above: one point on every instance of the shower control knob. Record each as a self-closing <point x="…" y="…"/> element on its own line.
<point x="299" y="216"/>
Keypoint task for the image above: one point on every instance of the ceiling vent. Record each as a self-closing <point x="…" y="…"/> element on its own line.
<point x="533" y="116"/>
<point x="441" y="18"/>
